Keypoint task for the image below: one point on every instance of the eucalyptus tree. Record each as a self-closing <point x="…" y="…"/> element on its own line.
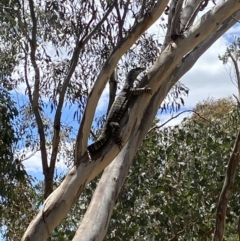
<point x="67" y="52"/>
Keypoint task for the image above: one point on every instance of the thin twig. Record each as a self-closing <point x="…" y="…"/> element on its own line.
<point x="32" y="154"/>
<point x="174" y="117"/>
<point x="84" y="41"/>
<point x="175" y="238"/>
<point x="236" y="20"/>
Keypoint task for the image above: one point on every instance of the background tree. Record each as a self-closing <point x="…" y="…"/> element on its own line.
<point x="172" y="190"/>
<point x="68" y="50"/>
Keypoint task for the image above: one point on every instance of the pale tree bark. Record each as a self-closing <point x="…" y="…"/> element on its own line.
<point x="173" y="62"/>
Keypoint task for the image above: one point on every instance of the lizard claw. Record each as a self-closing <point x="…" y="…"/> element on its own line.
<point x="148" y="90"/>
<point x="120" y="146"/>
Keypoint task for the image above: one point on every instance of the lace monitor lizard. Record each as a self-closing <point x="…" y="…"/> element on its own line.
<point x="111" y="128"/>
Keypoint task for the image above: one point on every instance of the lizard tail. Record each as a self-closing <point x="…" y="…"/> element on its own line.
<point x="97" y="145"/>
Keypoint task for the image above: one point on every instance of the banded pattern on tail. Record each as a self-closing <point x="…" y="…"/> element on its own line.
<point x="100" y="142"/>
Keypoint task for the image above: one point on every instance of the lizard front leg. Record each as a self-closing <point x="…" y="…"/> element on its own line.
<point x="116" y="134"/>
<point x="139" y="91"/>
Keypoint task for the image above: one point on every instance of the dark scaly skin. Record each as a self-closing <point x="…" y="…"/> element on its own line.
<point x="111" y="128"/>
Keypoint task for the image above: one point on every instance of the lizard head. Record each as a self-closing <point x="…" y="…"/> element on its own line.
<point x="133" y="74"/>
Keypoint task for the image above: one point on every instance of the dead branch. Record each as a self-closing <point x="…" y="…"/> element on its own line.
<point x="174" y="117"/>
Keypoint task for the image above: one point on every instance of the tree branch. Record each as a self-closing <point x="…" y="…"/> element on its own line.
<point x="171" y="11"/>
<point x="226" y="191"/>
<point x="111" y="62"/>
<point x="87" y="38"/>
<point x="35" y="104"/>
<point x="33" y="45"/>
<point x="176" y="116"/>
<point x="193" y="16"/>
<point x="125" y="10"/>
